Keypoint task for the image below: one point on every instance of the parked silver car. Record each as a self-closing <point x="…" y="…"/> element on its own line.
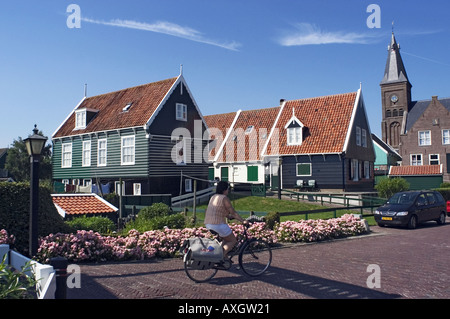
<point x="411" y="208"/>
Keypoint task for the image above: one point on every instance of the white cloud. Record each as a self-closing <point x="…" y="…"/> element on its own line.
<point x="166" y="28"/>
<point x="309" y="34"/>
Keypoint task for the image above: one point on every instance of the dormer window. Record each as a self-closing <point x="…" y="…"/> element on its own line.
<point x="83" y="117"/>
<point x="294" y="136"/>
<point x="294" y="130"/>
<point x="80" y="119"/>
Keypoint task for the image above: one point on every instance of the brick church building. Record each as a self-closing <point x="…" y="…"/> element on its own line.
<point x="418" y="130"/>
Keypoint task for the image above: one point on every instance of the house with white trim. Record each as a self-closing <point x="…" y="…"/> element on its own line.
<point x="240" y="138"/>
<point x="146" y="137"/>
<point x="321" y="143"/>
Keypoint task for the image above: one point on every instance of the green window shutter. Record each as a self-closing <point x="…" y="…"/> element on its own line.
<point x="224" y="174"/>
<point x="304" y="169"/>
<point x="252" y="173"/>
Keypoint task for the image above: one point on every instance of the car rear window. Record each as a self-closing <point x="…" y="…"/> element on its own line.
<point x="439" y="197"/>
<point x="431" y="198"/>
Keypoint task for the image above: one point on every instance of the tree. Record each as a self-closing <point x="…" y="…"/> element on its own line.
<point x="389" y="186"/>
<point x="18" y="161"/>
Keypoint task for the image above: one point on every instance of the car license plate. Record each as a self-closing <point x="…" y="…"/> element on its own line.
<point x="386" y="218"/>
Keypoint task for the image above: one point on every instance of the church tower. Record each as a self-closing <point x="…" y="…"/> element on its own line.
<point x="395" y="96"/>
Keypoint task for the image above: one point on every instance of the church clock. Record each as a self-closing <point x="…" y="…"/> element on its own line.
<point x="394" y="98"/>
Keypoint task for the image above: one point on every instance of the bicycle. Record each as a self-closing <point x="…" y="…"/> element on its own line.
<point x="255" y="257"/>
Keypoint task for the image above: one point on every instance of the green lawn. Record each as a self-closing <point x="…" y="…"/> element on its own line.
<point x="262" y="205"/>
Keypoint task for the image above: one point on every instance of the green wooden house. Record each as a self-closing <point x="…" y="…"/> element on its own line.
<point x="148" y="137"/>
<point x="385" y="157"/>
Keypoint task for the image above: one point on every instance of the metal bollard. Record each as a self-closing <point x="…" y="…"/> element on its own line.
<point x="60" y="266"/>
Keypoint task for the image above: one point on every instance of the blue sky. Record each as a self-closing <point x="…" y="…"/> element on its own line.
<point x="235" y="54"/>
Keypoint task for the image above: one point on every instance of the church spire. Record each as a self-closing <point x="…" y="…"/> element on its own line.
<point x="395" y="70"/>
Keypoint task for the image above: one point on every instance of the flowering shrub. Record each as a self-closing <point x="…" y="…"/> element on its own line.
<point x="5" y="239"/>
<point x="82" y="246"/>
<point x="91" y="246"/>
<point x="256" y="230"/>
<point x="315" y="230"/>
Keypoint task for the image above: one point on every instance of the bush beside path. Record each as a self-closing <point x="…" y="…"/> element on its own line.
<point x="90" y="246"/>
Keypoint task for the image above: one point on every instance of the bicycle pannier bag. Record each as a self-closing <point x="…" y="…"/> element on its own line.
<point x="204" y="249"/>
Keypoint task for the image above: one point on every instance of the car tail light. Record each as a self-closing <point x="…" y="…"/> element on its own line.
<point x="448" y="206"/>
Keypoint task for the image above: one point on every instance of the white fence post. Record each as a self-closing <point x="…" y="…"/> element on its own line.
<point x="44" y="274"/>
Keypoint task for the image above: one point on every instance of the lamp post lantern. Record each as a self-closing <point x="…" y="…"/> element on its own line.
<point x="35" y="144"/>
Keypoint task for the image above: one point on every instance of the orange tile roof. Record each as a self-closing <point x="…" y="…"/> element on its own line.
<point x="415" y="170"/>
<point x="145" y="98"/>
<point x="218" y="125"/>
<point x="326" y="120"/>
<point x="242" y="146"/>
<point x="82" y="204"/>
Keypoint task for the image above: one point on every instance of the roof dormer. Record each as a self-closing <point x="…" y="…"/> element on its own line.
<point x="83" y="116"/>
<point x="294" y="130"/>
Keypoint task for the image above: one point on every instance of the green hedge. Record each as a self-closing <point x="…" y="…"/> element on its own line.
<point x="156" y="216"/>
<point x="98" y="224"/>
<point x="445" y="193"/>
<point x="155" y="210"/>
<point x="15" y="213"/>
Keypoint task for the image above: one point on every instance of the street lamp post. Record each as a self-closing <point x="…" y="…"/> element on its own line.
<point x="35" y="144"/>
<point x="280" y="161"/>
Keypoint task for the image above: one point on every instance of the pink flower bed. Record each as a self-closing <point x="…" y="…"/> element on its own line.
<point x="91" y="246"/>
<point x="318" y="229"/>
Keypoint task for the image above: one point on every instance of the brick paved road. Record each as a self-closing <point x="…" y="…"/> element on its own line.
<point x="413" y="264"/>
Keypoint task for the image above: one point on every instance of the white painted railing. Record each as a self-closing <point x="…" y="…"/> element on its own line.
<point x="44" y="274"/>
<point x="188" y="199"/>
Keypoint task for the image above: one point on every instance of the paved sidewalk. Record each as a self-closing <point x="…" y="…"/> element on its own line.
<point x="413" y="264"/>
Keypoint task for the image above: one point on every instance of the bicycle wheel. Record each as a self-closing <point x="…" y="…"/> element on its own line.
<point x="255" y="257"/>
<point x="199" y="271"/>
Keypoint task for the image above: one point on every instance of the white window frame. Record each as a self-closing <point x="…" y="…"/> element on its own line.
<point x="355" y="170"/>
<point x="424" y="140"/>
<point x="66" y="155"/>
<point x="188" y="185"/>
<point x="415" y="161"/>
<point x="181" y="112"/>
<point x="137" y="189"/>
<point x="86" y="153"/>
<point x="358" y="136"/>
<point x="363" y="138"/>
<point x="446" y="137"/>
<point x="117" y="187"/>
<point x="294" y="136"/>
<point x="366" y="169"/>
<point x="99" y="150"/>
<point x="80" y="119"/>
<point x="125" y="158"/>
<point x="296" y="169"/>
<point x="433" y="160"/>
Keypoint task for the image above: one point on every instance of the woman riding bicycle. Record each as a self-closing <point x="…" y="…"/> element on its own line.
<point x="220" y="208"/>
